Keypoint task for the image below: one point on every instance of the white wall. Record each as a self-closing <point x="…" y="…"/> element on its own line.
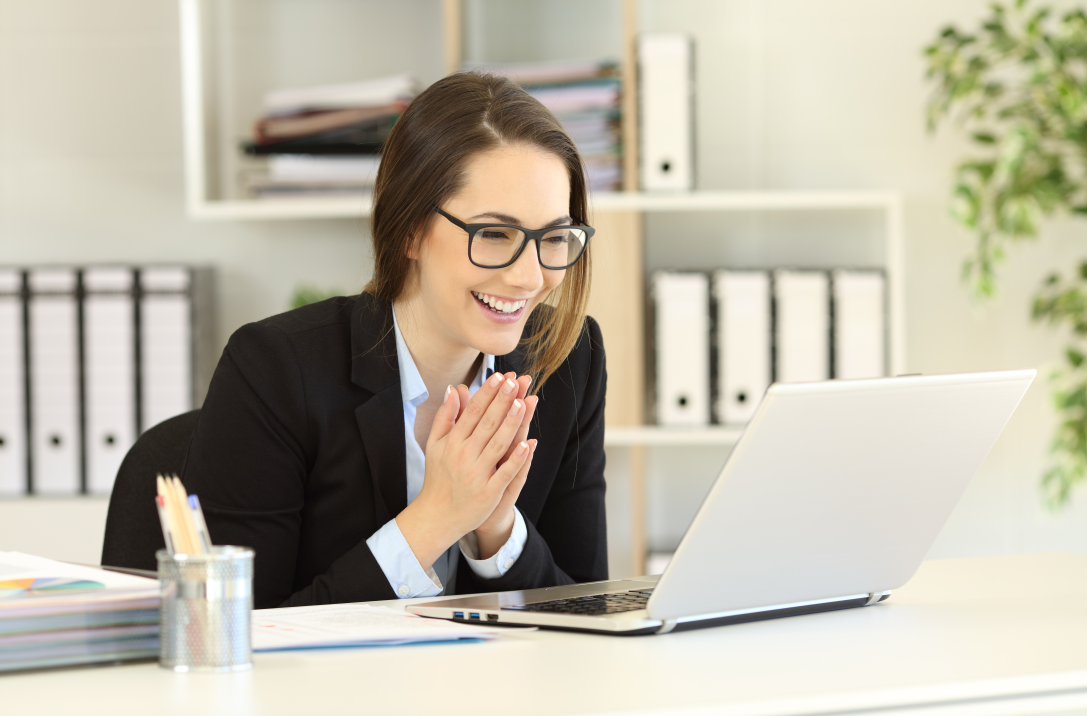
<point x="792" y="94"/>
<point x="830" y="95"/>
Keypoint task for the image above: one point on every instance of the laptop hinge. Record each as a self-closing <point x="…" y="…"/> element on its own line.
<point x="874" y="597"/>
<point x="667" y="626"/>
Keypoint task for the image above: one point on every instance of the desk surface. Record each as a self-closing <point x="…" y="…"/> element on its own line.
<point x="987" y="635"/>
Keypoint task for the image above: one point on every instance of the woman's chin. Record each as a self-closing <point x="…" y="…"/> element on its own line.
<point x="497" y="340"/>
<point x="498" y="345"/>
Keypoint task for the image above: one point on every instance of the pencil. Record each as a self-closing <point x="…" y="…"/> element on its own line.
<point x="160" y="503"/>
<point x="166" y="516"/>
<point x="181" y="504"/>
<point x="202" y="535"/>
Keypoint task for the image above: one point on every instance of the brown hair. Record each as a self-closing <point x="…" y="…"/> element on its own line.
<point x="423" y="164"/>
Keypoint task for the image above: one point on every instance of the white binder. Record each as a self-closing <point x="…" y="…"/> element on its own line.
<point x="802" y="326"/>
<point x="12" y="385"/>
<point x="109" y="372"/>
<point x="166" y="347"/>
<point x="54" y="383"/>
<point x="666" y="119"/>
<point x="860" y="334"/>
<point x="743" y="342"/>
<point x="682" y="340"/>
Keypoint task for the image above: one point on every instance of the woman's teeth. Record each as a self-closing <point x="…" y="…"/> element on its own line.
<point x="498" y="305"/>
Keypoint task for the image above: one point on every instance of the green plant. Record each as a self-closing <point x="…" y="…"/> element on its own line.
<point x="1061" y="302"/>
<point x="305" y="294"/>
<point x="1018" y="86"/>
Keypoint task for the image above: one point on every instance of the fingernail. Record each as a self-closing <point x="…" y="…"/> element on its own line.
<point x="496" y="379"/>
<point x="522" y="447"/>
<point x="448" y="390"/>
<point x="529" y="378"/>
<point x="515" y="408"/>
<point x="509" y="387"/>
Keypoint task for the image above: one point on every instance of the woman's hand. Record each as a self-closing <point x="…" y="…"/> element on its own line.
<point x="496" y="529"/>
<point x="467" y="468"/>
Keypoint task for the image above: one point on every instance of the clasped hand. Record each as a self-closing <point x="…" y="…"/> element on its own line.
<point x="477" y="461"/>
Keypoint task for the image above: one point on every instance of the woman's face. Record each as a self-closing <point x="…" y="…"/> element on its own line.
<point x="516" y="184"/>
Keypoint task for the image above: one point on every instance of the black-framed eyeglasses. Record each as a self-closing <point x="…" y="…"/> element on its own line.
<point x="499" y="245"/>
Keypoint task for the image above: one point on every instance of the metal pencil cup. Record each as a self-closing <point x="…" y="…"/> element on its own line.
<point x="205" y="612"/>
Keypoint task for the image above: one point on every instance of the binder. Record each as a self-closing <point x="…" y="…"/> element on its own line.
<point x="860" y="319"/>
<point x="682" y="347"/>
<point x="802" y="326"/>
<point x="55" y="441"/>
<point x="12" y="385"/>
<point x="165" y="343"/>
<point x="109" y="372"/>
<point x="666" y="120"/>
<point x="743" y="342"/>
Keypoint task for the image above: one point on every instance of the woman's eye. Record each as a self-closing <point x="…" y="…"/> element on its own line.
<point x="493" y="235"/>
<point x="557" y="239"/>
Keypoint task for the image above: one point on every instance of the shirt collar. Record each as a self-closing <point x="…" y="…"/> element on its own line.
<point x="412" y="388"/>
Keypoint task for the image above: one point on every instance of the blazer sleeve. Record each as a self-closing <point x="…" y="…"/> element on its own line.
<point x="248" y="460"/>
<point x="568" y="542"/>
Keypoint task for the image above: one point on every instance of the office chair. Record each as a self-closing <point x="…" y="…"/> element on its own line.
<point x="133" y="533"/>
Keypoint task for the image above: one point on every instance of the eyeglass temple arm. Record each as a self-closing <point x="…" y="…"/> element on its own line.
<point x="457" y="222"/>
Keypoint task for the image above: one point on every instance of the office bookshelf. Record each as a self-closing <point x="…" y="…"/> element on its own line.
<point x="661" y="436"/>
<point x="619" y="282"/>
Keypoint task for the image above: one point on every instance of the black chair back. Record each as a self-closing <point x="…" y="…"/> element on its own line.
<point x="133" y="533"/>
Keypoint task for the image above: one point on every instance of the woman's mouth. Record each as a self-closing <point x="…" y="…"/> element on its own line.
<point x="500" y="309"/>
<point x="499" y="305"/>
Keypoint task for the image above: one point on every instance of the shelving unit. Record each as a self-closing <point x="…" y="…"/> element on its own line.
<point x="659" y="436"/>
<point x="343" y="208"/>
<point x="618" y="296"/>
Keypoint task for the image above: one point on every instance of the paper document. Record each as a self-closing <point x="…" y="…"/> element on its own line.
<point x="344" y="625"/>
<point x="57" y="614"/>
<point x="19" y="566"/>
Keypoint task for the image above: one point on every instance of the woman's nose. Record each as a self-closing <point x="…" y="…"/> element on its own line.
<point x="526" y="272"/>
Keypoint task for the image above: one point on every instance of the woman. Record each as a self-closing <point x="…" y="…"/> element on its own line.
<point x="362" y="445"/>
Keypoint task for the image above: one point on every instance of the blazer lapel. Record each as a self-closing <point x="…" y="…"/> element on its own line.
<point x="381" y="418"/>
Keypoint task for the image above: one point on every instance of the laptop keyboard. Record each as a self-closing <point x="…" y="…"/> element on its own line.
<point x="594" y="605"/>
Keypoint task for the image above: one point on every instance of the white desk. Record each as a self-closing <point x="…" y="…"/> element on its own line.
<point x="997" y="635"/>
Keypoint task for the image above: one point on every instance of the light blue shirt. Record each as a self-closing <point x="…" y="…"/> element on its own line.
<point x="394" y="556"/>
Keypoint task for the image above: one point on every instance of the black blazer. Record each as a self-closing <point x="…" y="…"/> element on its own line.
<point x="299" y="453"/>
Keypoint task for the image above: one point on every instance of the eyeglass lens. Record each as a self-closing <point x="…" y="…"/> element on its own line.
<point x="496" y="245"/>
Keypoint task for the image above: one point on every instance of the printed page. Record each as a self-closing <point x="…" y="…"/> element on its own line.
<point x="352" y="625"/>
<point x="18" y="566"/>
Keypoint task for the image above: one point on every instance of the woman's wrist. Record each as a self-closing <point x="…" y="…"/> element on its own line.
<point x="424" y="536"/>
<point x="491" y="538"/>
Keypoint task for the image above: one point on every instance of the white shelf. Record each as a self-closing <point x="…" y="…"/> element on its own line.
<point x="668" y="436"/>
<point x="276" y="209"/>
<point x="778" y="200"/>
<point x="349" y="208"/>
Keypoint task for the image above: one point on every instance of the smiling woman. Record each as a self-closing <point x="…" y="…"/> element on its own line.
<point x="389" y="444"/>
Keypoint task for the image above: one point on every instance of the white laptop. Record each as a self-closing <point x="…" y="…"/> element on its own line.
<point x="830" y="499"/>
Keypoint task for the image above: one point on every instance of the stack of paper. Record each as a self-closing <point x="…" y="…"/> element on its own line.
<point x="584" y="96"/>
<point x="58" y="614"/>
<point x="326" y="140"/>
<point x="333" y="626"/>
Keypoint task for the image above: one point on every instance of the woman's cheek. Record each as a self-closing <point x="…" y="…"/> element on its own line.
<point x="553" y="279"/>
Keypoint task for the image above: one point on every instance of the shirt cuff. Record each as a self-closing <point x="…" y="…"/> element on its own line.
<point x="398" y="562"/>
<point x="501" y="561"/>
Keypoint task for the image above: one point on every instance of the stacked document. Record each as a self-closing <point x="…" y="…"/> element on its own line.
<point x="332" y="626"/>
<point x="58" y="614"/>
<point x="584" y="96"/>
<point x="325" y="140"/>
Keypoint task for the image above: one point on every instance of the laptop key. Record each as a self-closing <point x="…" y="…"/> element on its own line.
<point x="592" y="605"/>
